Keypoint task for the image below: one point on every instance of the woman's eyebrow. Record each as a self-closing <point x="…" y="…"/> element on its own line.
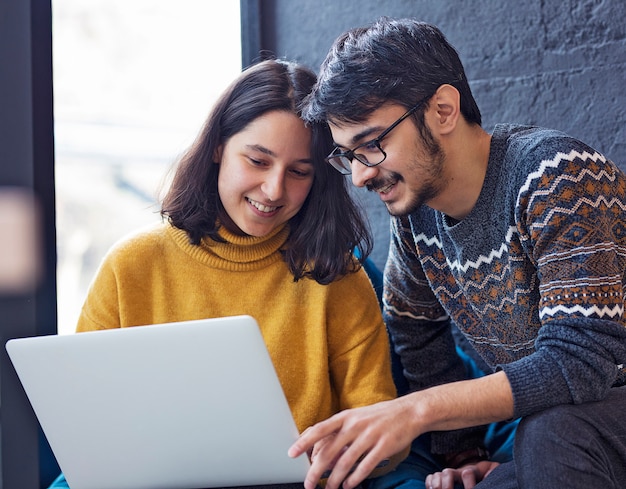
<point x="269" y="152"/>
<point x="262" y="149"/>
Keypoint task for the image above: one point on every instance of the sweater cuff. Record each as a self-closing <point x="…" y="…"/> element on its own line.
<point x="536" y="384"/>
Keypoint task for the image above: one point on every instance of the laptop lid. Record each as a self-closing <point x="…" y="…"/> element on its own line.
<point x="184" y="405"/>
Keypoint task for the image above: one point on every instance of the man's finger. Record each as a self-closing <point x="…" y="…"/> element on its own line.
<point x="364" y="468"/>
<point x="330" y="452"/>
<point x="344" y="465"/>
<point x="310" y="437"/>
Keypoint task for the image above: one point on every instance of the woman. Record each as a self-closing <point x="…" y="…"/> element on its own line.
<point x="256" y="222"/>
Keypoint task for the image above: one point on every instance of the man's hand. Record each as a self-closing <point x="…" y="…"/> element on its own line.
<point x="318" y="447"/>
<point x="355" y="439"/>
<point x="469" y="475"/>
<point x="365" y="436"/>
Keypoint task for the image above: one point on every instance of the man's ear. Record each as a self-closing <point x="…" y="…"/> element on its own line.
<point x="447" y="101"/>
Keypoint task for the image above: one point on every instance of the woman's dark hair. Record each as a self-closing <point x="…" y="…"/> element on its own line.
<point x="401" y="61"/>
<point x="328" y="228"/>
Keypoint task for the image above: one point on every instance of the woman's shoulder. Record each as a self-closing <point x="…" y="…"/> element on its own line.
<point x="362" y="277"/>
<point x="140" y="242"/>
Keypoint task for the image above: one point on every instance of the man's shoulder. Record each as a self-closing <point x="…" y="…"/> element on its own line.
<point x="525" y="152"/>
<point x="539" y="142"/>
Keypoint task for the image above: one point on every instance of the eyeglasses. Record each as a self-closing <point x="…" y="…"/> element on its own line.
<point x="370" y="152"/>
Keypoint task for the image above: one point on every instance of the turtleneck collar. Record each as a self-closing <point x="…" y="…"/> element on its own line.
<point x="236" y="252"/>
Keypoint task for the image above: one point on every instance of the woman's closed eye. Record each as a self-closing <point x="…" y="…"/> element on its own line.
<point x="302" y="172"/>
<point x="257" y="162"/>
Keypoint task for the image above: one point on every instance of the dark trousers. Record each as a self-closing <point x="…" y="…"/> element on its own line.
<point x="573" y="446"/>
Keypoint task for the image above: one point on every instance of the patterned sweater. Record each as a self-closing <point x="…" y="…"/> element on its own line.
<point x="328" y="342"/>
<point x="534" y="277"/>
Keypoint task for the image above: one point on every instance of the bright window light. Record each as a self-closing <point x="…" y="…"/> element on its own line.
<point x="133" y="82"/>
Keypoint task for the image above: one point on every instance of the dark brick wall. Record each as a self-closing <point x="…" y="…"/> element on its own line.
<point x="556" y="63"/>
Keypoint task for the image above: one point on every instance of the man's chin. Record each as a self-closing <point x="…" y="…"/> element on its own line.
<point x="398" y="210"/>
<point x="394" y="210"/>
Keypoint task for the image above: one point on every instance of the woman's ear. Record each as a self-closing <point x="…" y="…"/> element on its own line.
<point x="217" y="155"/>
<point x="448" y="106"/>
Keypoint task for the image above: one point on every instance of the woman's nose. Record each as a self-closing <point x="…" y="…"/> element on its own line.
<point x="274" y="186"/>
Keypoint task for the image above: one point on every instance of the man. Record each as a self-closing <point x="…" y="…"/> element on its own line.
<point x="517" y="237"/>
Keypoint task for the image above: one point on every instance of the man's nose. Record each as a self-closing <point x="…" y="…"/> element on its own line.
<point x="362" y="174"/>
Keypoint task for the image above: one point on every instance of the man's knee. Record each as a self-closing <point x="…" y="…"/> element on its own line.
<point x="550" y="429"/>
<point x="572" y="446"/>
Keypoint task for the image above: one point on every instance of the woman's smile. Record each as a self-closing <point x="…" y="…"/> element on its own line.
<point x="265" y="209"/>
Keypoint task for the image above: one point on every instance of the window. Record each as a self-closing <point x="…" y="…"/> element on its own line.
<point x="133" y="82"/>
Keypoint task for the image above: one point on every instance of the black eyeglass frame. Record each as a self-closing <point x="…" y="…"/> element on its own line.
<point x="351" y="155"/>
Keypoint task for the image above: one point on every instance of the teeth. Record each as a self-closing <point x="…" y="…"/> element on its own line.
<point x="261" y="207"/>
<point x="384" y="189"/>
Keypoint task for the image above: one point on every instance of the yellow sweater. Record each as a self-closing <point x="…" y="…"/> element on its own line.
<point x="328" y="343"/>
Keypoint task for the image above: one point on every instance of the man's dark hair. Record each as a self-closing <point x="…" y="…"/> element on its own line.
<point x="399" y="61"/>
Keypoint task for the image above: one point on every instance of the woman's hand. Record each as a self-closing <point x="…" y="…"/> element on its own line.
<point x="468" y="475"/>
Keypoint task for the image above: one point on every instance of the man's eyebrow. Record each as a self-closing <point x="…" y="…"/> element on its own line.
<point x="359" y="137"/>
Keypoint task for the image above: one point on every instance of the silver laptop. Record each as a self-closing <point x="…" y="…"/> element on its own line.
<point x="185" y="405"/>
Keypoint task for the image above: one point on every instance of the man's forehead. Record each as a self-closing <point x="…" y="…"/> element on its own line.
<point x="350" y="134"/>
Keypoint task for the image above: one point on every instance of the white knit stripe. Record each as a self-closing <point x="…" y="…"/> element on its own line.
<point x="507" y="299"/>
<point x="494" y="342"/>
<point x="612" y="312"/>
<point x="481" y="260"/>
<point x="428" y="240"/>
<point x="574" y="210"/>
<point x="441" y="291"/>
<point x="583" y="250"/>
<point x="409" y="314"/>
<point x="584" y="173"/>
<point x="490" y="277"/>
<point x="581" y="282"/>
<point x="553" y="163"/>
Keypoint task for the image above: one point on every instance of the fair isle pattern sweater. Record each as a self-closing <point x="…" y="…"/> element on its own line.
<point x="534" y="276"/>
<point x="328" y="343"/>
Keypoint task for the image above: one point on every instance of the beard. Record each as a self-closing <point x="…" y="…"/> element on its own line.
<point x="430" y="164"/>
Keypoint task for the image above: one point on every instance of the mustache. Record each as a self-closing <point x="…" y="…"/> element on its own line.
<point x="379" y="183"/>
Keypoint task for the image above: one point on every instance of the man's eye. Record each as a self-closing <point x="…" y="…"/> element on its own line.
<point x="368" y="151"/>
<point x="370" y="146"/>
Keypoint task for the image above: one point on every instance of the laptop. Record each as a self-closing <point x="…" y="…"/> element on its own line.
<point x="186" y="405"/>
